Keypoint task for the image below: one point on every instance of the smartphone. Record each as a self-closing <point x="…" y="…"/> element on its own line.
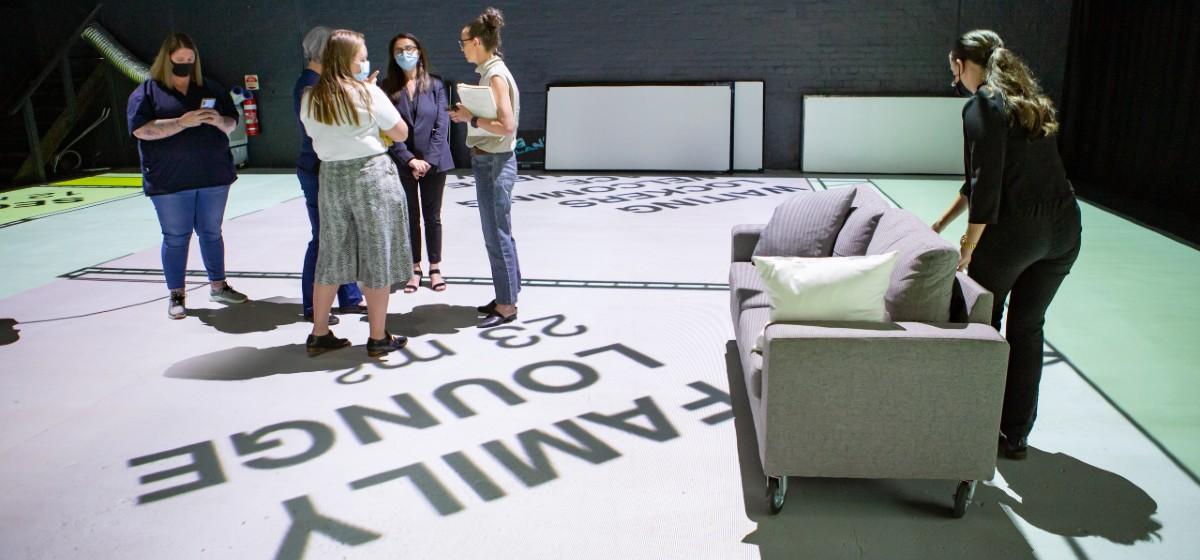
<point x="208" y="103"/>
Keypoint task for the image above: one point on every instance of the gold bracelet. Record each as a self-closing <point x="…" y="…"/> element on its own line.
<point x="963" y="242"/>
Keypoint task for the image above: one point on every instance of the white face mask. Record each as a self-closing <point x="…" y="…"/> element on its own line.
<point x="364" y="71"/>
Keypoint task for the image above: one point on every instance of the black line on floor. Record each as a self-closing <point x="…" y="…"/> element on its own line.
<point x="68" y="210"/>
<point x="458" y="280"/>
<point x="1059" y="355"/>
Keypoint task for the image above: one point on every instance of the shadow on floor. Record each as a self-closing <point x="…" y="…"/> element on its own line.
<point x="8" y="331"/>
<point x="253" y="316"/>
<point x="1065" y="496"/>
<point x="857" y="518"/>
<point x="438" y="318"/>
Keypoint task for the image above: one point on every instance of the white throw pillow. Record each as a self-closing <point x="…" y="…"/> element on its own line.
<point x="826" y="288"/>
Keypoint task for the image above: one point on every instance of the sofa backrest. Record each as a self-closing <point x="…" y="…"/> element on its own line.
<point x="925" y="263"/>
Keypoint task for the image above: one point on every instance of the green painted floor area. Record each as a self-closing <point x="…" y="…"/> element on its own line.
<point x="37" y="251"/>
<point x="1125" y="316"/>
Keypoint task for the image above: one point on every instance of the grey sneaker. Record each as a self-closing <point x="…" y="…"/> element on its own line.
<point x="227" y="295"/>
<point x="175" y="308"/>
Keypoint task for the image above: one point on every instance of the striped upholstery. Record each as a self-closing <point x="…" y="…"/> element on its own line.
<point x="805" y="225"/>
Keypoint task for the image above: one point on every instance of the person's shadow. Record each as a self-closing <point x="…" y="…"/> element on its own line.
<point x="864" y="518"/>
<point x="1065" y="496"/>
<point x="261" y="315"/>
<point x="437" y="318"/>
<point x="9" y="332"/>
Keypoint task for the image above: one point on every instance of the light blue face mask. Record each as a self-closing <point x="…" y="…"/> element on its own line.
<point x="407" y="61"/>
<point x="364" y="71"/>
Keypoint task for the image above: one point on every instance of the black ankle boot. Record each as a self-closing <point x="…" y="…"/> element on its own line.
<point x="389" y="343"/>
<point x="1015" y="448"/>
<point x="317" y="345"/>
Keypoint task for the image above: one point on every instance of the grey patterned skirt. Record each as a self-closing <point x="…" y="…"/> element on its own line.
<point x="364" y="224"/>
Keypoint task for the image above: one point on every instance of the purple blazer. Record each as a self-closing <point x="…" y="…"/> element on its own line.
<point x="428" y="127"/>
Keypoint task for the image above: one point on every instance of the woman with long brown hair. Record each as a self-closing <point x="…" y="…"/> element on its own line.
<point x="181" y="121"/>
<point x="424" y="158"/>
<point x="493" y="161"/>
<point x="1023" y="231"/>
<point x="364" y="234"/>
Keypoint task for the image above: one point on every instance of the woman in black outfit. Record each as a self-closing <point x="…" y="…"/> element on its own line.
<point x="1023" y="230"/>
<point x="424" y="158"/>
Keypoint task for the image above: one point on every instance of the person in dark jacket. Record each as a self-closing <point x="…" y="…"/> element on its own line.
<point x="424" y="158"/>
<point x="1023" y="232"/>
<point x="182" y="123"/>
<point x="308" y="167"/>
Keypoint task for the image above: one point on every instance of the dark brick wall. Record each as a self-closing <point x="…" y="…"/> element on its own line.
<point x="796" y="47"/>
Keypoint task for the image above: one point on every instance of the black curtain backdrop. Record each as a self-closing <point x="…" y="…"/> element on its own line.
<point x="1130" y="117"/>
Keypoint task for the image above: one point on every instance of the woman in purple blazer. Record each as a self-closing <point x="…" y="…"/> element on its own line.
<point x="424" y="158"/>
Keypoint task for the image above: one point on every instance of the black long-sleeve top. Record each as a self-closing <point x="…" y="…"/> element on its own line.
<point x="1009" y="175"/>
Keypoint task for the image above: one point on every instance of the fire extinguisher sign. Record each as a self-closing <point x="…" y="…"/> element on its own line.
<point x="251" y="81"/>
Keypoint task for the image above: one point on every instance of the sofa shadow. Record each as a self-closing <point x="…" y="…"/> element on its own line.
<point x="438" y="318"/>
<point x="251" y="317"/>
<point x="8" y="331"/>
<point x="1065" y="496"/>
<point x="862" y="518"/>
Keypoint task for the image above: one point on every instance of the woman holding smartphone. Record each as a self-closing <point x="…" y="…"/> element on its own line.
<point x="182" y="122"/>
<point x="493" y="161"/>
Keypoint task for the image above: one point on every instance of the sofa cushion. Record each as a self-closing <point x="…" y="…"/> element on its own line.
<point x="865" y="210"/>
<point x="805" y="225"/>
<point x="827" y="288"/>
<point x="923" y="277"/>
<point x="750" y="325"/>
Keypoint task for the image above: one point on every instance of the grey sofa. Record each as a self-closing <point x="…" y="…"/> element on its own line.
<point x="917" y="397"/>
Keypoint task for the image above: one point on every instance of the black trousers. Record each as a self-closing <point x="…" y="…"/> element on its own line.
<point x="424" y="200"/>
<point x="1024" y="261"/>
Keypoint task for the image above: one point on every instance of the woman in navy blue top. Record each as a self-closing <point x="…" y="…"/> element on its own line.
<point x="1023" y="230"/>
<point x="308" y="167"/>
<point x="424" y="158"/>
<point x="182" y="122"/>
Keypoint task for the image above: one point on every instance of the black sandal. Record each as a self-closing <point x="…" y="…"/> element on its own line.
<point x="412" y="288"/>
<point x="439" y="286"/>
<point x="317" y="345"/>
<point x="389" y="343"/>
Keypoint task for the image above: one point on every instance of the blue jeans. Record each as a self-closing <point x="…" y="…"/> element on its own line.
<point x="495" y="175"/>
<point x="348" y="294"/>
<point x="179" y="213"/>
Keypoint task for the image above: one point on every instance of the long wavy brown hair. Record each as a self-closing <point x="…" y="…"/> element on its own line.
<point x="1006" y="73"/>
<point x="330" y="100"/>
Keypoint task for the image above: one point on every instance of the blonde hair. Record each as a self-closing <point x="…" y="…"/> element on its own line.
<point x="160" y="71"/>
<point x="1006" y="73"/>
<point x="329" y="101"/>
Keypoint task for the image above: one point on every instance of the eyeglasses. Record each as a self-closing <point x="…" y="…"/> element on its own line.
<point x="408" y="50"/>
<point x="462" y="42"/>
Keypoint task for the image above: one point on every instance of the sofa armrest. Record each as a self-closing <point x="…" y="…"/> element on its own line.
<point x="976" y="299"/>
<point x="882" y="400"/>
<point x="745" y="238"/>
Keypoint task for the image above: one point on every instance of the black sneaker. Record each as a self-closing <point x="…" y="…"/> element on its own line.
<point x="227" y="295"/>
<point x="389" y="343"/>
<point x="175" y="305"/>
<point x="1015" y="448"/>
<point x="317" y="345"/>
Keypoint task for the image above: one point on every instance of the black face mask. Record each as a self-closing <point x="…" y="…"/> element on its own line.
<point x="182" y="70"/>
<point x="960" y="89"/>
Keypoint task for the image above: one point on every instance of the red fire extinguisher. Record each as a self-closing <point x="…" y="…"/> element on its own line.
<point x="250" y="114"/>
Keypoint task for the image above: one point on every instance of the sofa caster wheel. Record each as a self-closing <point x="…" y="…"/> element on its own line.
<point x="776" y="492"/>
<point x="962" y="497"/>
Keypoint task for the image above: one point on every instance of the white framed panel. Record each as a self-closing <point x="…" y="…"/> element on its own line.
<point x="747" y="126"/>
<point x="681" y="127"/>
<point x="921" y="135"/>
